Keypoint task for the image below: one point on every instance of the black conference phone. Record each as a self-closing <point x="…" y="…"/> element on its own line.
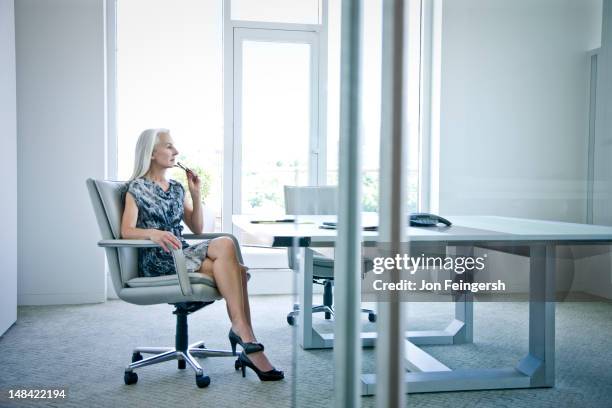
<point x="427" y="220"/>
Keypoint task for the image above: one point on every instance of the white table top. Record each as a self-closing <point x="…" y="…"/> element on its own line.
<point x="464" y="228"/>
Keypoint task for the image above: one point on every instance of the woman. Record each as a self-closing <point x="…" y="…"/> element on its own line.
<point x="154" y="208"/>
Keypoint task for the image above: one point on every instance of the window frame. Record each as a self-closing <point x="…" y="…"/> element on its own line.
<point x="238" y="30"/>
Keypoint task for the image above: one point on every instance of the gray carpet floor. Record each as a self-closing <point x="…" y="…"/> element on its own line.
<point x="85" y="348"/>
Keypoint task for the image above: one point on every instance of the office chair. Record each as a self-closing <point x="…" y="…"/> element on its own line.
<point x="321" y="200"/>
<point x="187" y="292"/>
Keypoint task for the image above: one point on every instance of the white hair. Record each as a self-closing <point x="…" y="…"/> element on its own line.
<point x="147" y="141"/>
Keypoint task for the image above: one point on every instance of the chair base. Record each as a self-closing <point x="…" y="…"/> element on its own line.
<point x="328" y="310"/>
<point x="326" y="307"/>
<point x="185" y="354"/>
<point x="184" y="358"/>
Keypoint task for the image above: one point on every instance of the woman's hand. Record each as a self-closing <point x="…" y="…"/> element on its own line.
<point x="194" y="182"/>
<point x="165" y="239"/>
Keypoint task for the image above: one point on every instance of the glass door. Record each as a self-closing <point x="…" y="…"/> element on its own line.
<point x="275" y="116"/>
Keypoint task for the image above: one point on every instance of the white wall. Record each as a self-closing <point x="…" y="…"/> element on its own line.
<point x="602" y="210"/>
<point x="596" y="269"/>
<point x="8" y="168"/>
<point x="513" y="107"/>
<point x="61" y="125"/>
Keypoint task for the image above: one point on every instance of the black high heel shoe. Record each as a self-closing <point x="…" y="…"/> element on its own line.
<point x="243" y="361"/>
<point x="247" y="347"/>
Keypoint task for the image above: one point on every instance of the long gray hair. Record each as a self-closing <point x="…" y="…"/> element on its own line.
<point x="147" y="141"/>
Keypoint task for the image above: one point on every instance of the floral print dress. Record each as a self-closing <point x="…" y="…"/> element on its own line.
<point x="163" y="210"/>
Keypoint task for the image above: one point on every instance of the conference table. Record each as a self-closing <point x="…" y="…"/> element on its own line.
<point x="536" y="239"/>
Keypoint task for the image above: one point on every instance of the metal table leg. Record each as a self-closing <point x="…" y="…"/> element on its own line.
<point x="308" y="336"/>
<point x="534" y="370"/>
<point x="539" y="364"/>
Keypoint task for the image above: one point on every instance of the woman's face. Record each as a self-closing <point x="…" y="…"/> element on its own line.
<point x="164" y="154"/>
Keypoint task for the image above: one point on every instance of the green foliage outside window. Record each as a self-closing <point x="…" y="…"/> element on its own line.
<point x="180" y="176"/>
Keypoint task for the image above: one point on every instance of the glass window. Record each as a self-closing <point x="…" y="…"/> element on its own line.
<point x="276" y="113"/>
<point x="169" y="74"/>
<point x="371" y="102"/>
<point x="372" y="48"/>
<point x="281" y="11"/>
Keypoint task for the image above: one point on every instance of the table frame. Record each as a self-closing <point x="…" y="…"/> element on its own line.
<point x="536" y="369"/>
<point x="427" y="374"/>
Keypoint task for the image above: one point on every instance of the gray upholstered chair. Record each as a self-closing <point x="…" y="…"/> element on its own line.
<point x="316" y="200"/>
<point x="187" y="292"/>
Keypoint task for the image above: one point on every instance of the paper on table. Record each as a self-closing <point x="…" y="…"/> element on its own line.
<point x="333" y="226"/>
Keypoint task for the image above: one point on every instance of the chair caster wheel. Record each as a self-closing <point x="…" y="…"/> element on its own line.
<point x="182" y="365"/>
<point x="130" y="378"/>
<point x="290" y="319"/>
<point x="136" y="357"/>
<point x="237" y="365"/>
<point x="372" y="317"/>
<point x="202" y="381"/>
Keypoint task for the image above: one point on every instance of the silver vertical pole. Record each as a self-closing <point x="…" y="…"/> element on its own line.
<point x="392" y="204"/>
<point x="347" y="344"/>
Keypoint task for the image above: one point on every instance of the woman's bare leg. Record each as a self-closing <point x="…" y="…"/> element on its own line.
<point x="245" y="293"/>
<point x="230" y="278"/>
<point x="208" y="270"/>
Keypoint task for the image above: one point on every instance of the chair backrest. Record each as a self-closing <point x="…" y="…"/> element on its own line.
<point x="309" y="200"/>
<point x="107" y="198"/>
<point x="313" y="200"/>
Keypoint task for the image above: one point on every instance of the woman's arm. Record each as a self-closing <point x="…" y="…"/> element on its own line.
<point x="193" y="216"/>
<point x="165" y="239"/>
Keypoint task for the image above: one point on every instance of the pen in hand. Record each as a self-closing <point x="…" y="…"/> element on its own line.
<point x="193" y="181"/>
<point x="187" y="169"/>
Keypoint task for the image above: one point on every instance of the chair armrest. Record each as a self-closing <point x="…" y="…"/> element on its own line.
<point x="181" y="272"/>
<point x="211" y="235"/>
<point x="127" y="243"/>
<point x="177" y="255"/>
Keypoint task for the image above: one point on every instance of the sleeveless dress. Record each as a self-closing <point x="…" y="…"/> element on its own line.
<point x="163" y="210"/>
